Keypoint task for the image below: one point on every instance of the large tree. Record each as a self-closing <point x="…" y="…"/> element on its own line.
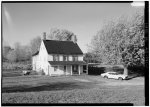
<point x="62" y="35"/>
<point x="19" y="53"/>
<point x="6" y="50"/>
<point x="121" y="41"/>
<point x="12" y="56"/>
<point x="35" y="44"/>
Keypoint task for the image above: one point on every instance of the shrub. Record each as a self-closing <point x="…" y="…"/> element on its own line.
<point x="41" y="72"/>
<point x="17" y="66"/>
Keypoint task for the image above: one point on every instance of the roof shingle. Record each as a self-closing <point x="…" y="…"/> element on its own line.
<point x="62" y="47"/>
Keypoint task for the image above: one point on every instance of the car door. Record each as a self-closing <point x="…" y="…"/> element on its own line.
<point x="115" y="76"/>
<point x="112" y="75"/>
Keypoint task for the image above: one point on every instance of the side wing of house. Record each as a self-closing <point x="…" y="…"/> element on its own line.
<point x="42" y="63"/>
<point x="34" y="62"/>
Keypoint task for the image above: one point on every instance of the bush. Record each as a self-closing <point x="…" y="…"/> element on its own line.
<point x="137" y="70"/>
<point x="32" y="72"/>
<point x="41" y="72"/>
<point x="95" y="70"/>
<point x="17" y="65"/>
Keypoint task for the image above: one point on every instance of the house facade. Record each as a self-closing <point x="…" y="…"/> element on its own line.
<point x="58" y="58"/>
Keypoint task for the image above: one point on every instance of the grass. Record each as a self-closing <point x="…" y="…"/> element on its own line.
<point x="94" y="95"/>
<point x="69" y="89"/>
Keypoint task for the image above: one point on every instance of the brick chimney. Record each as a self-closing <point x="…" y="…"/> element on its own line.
<point x="44" y="35"/>
<point x="73" y="38"/>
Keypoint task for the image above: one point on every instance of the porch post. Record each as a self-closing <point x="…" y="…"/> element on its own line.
<point x="71" y="69"/>
<point x="79" y="69"/>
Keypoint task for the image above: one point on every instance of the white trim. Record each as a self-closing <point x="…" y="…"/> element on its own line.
<point x="79" y="69"/>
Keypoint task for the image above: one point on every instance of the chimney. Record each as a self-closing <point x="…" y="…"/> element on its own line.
<point x="44" y="35"/>
<point x="74" y="38"/>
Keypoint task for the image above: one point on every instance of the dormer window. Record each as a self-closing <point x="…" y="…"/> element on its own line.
<point x="55" y="57"/>
<point x="65" y="58"/>
<point x="75" y="58"/>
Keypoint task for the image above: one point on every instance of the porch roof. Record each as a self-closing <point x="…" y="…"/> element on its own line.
<point x="67" y="62"/>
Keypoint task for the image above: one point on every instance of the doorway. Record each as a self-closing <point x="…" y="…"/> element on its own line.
<point x="75" y="69"/>
<point x="65" y="70"/>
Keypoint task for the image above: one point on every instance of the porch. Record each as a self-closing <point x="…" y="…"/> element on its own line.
<point x="67" y="67"/>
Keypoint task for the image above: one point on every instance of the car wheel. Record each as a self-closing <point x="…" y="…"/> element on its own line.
<point x="105" y="77"/>
<point x="120" y="78"/>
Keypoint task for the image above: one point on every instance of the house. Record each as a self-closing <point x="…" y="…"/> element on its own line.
<point x="58" y="58"/>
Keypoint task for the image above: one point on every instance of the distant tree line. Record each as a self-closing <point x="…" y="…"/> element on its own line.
<point x="24" y="53"/>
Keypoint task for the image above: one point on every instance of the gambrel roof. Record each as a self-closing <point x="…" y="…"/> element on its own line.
<point x="62" y="47"/>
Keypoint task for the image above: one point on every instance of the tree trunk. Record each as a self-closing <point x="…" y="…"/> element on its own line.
<point x="125" y="70"/>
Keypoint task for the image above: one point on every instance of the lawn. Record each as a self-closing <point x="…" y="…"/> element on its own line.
<point x="71" y="89"/>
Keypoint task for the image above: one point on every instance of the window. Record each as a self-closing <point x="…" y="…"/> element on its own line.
<point x="65" y="58"/>
<point x="75" y="68"/>
<point x="55" y="57"/>
<point x="75" y="58"/>
<point x="55" y="68"/>
<point x="113" y="73"/>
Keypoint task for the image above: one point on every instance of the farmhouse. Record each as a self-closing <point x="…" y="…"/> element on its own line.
<point x="58" y="58"/>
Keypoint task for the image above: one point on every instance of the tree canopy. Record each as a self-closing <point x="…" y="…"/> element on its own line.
<point x="121" y="41"/>
<point x="62" y="35"/>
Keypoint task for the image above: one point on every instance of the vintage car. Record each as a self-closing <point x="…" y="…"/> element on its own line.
<point x="114" y="75"/>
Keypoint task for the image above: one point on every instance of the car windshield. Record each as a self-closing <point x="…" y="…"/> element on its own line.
<point x="113" y="73"/>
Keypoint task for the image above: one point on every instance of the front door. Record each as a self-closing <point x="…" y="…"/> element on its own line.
<point x="65" y="70"/>
<point x="75" y="69"/>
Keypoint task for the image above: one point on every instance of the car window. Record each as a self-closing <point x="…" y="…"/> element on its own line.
<point x="111" y="73"/>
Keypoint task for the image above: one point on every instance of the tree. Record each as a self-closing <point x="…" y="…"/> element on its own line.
<point x="27" y="51"/>
<point x="19" y="53"/>
<point x="6" y="50"/>
<point x="121" y="41"/>
<point x="91" y="58"/>
<point x="62" y="35"/>
<point x="11" y="56"/>
<point x="35" y="44"/>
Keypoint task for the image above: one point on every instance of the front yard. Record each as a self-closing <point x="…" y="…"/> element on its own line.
<point x="71" y="89"/>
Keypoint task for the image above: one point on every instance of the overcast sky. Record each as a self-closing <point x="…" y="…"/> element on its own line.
<point x="24" y="21"/>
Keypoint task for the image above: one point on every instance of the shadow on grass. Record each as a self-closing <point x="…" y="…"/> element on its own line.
<point x="136" y="71"/>
<point x="16" y="73"/>
<point x="47" y="87"/>
<point x="134" y="76"/>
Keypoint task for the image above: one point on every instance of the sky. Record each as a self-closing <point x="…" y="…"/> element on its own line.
<point x="22" y="22"/>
